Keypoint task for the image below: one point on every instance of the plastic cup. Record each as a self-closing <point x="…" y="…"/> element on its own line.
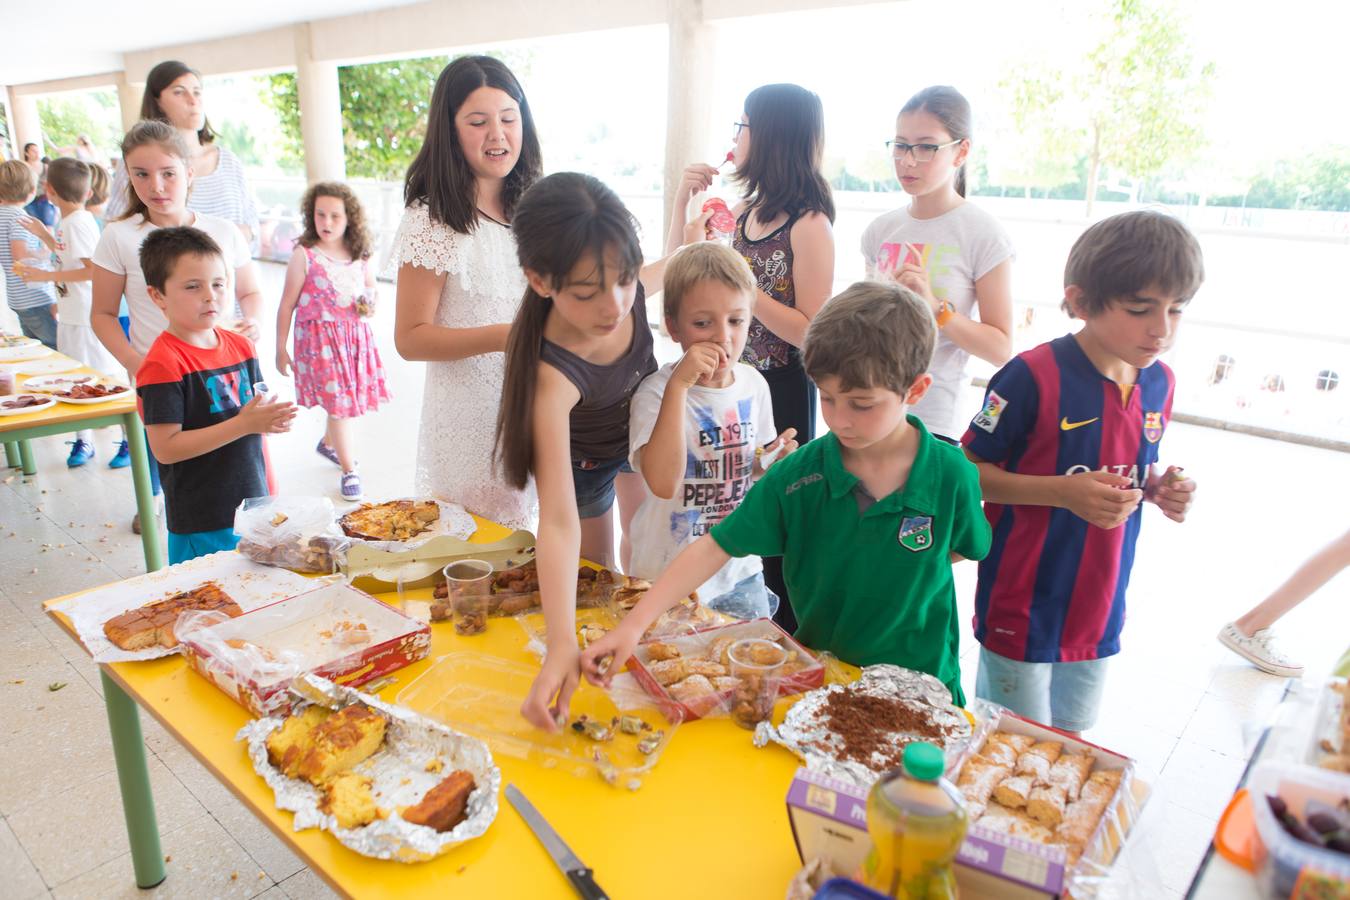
<point x="757" y="664"/>
<point x="470" y="585"/>
<point x="414" y="602"/>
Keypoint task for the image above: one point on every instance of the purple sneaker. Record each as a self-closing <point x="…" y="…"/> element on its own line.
<point x="327" y="453"/>
<point x="351" y="487"/>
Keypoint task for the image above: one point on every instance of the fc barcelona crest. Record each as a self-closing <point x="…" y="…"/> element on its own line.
<point x="916" y="533"/>
<point x="1153" y="426"/>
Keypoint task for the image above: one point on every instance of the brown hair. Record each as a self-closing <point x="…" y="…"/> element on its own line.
<point x="946" y="104"/>
<point x="144" y="133"/>
<point x="163" y="247"/>
<point x="440" y="176"/>
<point x="560" y="220"/>
<point x="357" y="236"/>
<point x="704" y="261"/>
<point x="1131" y="252"/>
<point x="98" y="185"/>
<point x="17" y="181"/>
<point x="787" y="145"/>
<point x="160" y="77"/>
<point x="69" y="179"/>
<point x="873" y="335"/>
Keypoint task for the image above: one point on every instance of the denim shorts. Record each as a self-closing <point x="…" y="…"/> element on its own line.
<point x="749" y="599"/>
<point x="1065" y="695"/>
<point x="183" y="547"/>
<point x="39" y="323"/>
<point x="594" y="484"/>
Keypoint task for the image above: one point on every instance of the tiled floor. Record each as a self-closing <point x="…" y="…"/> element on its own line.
<point x="1175" y="700"/>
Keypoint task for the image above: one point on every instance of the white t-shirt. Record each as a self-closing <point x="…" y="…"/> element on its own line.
<point x="76" y="238"/>
<point x="723" y="426"/>
<point x="119" y="252"/>
<point x="958" y="248"/>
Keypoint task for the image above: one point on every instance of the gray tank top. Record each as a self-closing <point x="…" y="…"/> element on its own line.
<point x="599" y="421"/>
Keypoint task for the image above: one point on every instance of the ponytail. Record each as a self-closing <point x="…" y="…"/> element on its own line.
<point x="560" y="220"/>
<point x="149" y="131"/>
<point x="948" y="106"/>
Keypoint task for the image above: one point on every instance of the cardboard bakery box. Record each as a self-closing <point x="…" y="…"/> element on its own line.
<point x="336" y="631"/>
<point x="696" y="644"/>
<point x="829" y="820"/>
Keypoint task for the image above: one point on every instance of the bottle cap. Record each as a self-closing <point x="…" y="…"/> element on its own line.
<point x="924" y="761"/>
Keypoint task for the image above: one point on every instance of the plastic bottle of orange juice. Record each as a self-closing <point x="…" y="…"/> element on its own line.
<point x="917" y="820"/>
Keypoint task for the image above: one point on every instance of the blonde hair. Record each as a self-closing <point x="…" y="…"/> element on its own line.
<point x="98" y="185"/>
<point x="873" y="335"/>
<point x="144" y="133"/>
<point x="16" y="181"/>
<point x="706" y="261"/>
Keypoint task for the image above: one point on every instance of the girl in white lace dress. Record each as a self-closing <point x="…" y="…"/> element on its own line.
<point x="459" y="282"/>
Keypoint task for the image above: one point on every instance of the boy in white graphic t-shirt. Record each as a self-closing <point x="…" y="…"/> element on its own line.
<point x="701" y="428"/>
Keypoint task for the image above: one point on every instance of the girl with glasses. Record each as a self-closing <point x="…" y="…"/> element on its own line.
<point x="950" y="252"/>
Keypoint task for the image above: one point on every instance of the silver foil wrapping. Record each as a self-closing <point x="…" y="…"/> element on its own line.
<point x="398" y="772"/>
<point x="806" y="728"/>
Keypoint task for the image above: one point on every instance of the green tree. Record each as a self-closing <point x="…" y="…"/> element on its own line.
<point x="1037" y="148"/>
<point x="65" y="117"/>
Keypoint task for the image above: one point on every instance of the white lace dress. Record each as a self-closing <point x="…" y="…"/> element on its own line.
<point x="459" y="406"/>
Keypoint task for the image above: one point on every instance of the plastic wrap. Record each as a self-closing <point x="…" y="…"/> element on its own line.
<point x="336" y="632"/>
<point x="296" y="533"/>
<point x="1289" y="861"/>
<point x="416" y="755"/>
<point x="1329" y="746"/>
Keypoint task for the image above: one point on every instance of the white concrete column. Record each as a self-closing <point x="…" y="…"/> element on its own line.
<point x="316" y="84"/>
<point x="690" y="136"/>
<point x="129" y="95"/>
<point x="23" y="113"/>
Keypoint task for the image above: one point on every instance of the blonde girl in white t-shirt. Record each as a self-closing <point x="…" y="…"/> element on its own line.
<point x="948" y="251"/>
<point x="160" y="175"/>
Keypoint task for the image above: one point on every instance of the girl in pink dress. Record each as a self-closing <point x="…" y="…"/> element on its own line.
<point x="330" y="292"/>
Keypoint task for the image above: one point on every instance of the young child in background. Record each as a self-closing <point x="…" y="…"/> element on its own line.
<point x="196" y="386"/>
<point x="34" y="304"/>
<point x="868" y="518"/>
<point x="157" y="158"/>
<point x="330" y="292"/>
<point x="698" y="425"/>
<point x="68" y="182"/>
<point x="950" y="252"/>
<point x="578" y="349"/>
<point x="1066" y="445"/>
<point x="784" y="230"/>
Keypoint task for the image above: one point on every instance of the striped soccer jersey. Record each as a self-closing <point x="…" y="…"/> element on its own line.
<point x="1052" y="588"/>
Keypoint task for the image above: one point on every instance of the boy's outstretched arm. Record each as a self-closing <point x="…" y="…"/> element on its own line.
<point x="1104" y="499"/>
<point x="695" y="564"/>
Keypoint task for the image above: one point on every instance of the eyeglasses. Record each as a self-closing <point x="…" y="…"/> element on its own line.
<point x="920" y="152"/>
<point x="736" y="129"/>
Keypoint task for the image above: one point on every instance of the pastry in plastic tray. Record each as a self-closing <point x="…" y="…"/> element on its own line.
<point x="146" y="626"/>
<point x="299" y="554"/>
<point x="1332" y="735"/>
<point x="516" y="590"/>
<point x="395" y="520"/>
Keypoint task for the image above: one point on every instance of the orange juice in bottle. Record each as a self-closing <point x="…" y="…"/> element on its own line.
<point x="917" y="820"/>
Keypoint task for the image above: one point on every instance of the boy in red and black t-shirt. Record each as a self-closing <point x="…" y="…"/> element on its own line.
<point x="197" y="395"/>
<point x="1066" y="446"/>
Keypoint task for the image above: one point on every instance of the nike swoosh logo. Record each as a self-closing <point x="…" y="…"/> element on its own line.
<point x="1066" y="425"/>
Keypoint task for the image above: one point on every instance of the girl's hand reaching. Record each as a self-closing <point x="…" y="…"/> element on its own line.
<point x="557" y="679"/>
<point x="602" y="659"/>
<point x="284" y="362"/>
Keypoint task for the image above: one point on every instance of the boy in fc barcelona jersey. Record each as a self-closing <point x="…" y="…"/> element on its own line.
<point x="1067" y="446"/>
<point x="196" y="392"/>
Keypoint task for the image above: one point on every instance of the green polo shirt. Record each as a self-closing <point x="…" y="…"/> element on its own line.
<point x="876" y="586"/>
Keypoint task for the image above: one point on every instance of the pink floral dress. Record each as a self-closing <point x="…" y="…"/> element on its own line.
<point x="336" y="363"/>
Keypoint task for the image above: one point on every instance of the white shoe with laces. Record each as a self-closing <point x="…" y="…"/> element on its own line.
<point x="1260" y="650"/>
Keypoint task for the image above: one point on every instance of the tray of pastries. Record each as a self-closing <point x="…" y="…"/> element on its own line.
<point x="385" y="781"/>
<point x="153" y="624"/>
<point x="1330" y="748"/>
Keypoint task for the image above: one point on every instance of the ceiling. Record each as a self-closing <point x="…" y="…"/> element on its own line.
<point x="91" y="35"/>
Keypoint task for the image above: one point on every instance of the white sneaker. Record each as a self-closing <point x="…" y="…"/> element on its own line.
<point x="1260" y="650"/>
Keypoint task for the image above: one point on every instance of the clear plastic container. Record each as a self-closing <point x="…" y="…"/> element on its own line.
<point x="1288" y="859"/>
<point x="480" y="695"/>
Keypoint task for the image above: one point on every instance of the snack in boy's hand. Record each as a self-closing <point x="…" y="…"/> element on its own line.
<point x="722" y="224"/>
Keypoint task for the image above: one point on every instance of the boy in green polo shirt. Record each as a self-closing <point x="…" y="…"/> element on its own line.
<point x="868" y="518"/>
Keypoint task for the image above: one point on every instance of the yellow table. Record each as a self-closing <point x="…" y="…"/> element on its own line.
<point x="64" y="418"/>
<point x="709" y="820"/>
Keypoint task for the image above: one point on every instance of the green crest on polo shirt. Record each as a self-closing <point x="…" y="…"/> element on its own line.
<point x="916" y="532"/>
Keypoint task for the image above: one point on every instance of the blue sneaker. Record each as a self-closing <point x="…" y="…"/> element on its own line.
<point x="80" y="453"/>
<point x="122" y="458"/>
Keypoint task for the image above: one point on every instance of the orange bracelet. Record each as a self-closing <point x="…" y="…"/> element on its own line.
<point x="945" y="313"/>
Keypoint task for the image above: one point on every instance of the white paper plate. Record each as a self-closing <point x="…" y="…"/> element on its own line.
<point x="27" y="351"/>
<point x="48" y="403"/>
<point x="16" y="340"/>
<point x="90" y="401"/>
<point x="41" y="366"/>
<point x="57" y="382"/>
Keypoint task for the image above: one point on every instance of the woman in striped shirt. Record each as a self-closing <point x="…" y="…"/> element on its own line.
<point x="173" y="94"/>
